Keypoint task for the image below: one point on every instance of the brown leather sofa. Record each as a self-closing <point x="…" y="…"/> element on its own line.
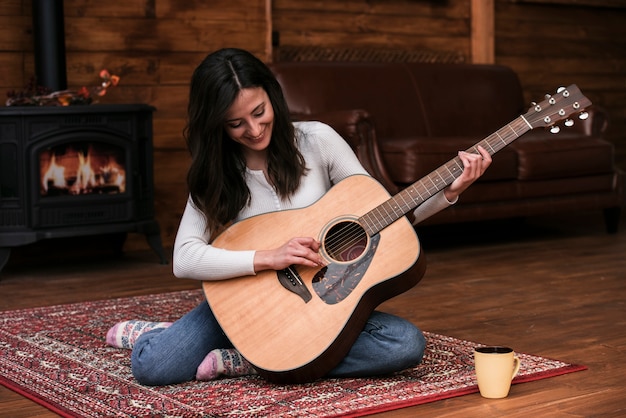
<point x="406" y="119"/>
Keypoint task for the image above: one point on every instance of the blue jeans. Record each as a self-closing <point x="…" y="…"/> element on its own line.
<point x="172" y="355"/>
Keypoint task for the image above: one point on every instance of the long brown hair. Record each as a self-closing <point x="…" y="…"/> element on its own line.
<point x="216" y="177"/>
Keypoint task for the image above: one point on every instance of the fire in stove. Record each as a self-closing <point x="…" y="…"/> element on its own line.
<point x="82" y="169"/>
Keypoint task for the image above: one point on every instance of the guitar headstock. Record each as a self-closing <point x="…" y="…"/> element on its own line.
<point x="555" y="108"/>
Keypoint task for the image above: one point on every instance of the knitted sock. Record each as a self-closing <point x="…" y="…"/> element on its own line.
<point x="124" y="334"/>
<point x="223" y="362"/>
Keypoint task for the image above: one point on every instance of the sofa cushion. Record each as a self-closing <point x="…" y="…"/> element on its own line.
<point x="484" y="192"/>
<point x="544" y="156"/>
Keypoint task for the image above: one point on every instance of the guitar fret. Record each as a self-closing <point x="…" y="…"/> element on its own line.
<point x="457" y="166"/>
<point x="437" y="171"/>
<point x="493" y="151"/>
<point x="428" y="188"/>
<point x="418" y="192"/>
<point x="397" y="208"/>
<point x="434" y="188"/>
<point x="527" y="123"/>
<point x="406" y="204"/>
<point x="386" y="213"/>
<point x="377" y="218"/>
<point x="501" y="139"/>
<point x="513" y="130"/>
<point x="389" y="207"/>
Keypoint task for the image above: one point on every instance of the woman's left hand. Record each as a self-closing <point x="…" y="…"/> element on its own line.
<point x="474" y="166"/>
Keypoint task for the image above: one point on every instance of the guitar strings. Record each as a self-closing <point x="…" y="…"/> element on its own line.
<point x="349" y="235"/>
<point x="394" y="208"/>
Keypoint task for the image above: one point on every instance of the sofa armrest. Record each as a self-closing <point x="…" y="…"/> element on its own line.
<point x="599" y="120"/>
<point x="356" y="127"/>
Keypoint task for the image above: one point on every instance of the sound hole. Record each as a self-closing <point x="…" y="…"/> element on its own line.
<point x="345" y="241"/>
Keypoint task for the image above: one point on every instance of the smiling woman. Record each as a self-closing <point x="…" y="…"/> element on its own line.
<point x="249" y="122"/>
<point x="249" y="159"/>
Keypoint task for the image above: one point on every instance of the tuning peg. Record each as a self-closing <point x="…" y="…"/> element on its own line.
<point x="560" y="89"/>
<point x="569" y="122"/>
<point x="555" y="129"/>
<point x="547" y="96"/>
<point x="583" y="115"/>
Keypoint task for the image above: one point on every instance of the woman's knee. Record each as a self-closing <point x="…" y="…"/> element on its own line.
<point x="417" y="345"/>
<point x="407" y="341"/>
<point x="154" y="367"/>
<point x="145" y="366"/>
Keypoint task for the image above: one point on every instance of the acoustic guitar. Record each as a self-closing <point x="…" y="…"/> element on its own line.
<point x="296" y="324"/>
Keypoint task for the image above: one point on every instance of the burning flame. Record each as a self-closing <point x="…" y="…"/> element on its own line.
<point x="82" y="173"/>
<point x="85" y="177"/>
<point x="55" y="174"/>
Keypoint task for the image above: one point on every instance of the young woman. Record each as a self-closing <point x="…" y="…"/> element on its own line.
<point x="249" y="158"/>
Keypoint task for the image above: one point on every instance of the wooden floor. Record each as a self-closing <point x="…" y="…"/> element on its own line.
<point x="553" y="286"/>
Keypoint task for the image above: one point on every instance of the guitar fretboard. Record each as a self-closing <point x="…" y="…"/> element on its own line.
<point x="414" y="195"/>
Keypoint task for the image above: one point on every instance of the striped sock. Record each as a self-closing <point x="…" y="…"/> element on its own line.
<point x="124" y="334"/>
<point x="224" y="362"/>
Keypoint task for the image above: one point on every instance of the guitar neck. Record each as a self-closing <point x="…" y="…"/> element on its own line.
<point x="414" y="195"/>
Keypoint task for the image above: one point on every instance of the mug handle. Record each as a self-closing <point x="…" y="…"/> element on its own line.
<point x="516" y="365"/>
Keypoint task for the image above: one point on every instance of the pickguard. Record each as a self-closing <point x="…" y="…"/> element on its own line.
<point x="334" y="282"/>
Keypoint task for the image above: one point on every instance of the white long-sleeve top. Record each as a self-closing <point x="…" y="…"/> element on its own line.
<point x="329" y="160"/>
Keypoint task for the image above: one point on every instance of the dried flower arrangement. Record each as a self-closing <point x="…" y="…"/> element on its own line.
<point x="34" y="95"/>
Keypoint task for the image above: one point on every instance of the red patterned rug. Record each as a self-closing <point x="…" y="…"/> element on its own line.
<point x="57" y="357"/>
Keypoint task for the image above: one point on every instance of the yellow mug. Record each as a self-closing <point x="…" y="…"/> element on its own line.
<point x="495" y="369"/>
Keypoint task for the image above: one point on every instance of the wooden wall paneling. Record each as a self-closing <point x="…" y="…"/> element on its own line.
<point x="11" y="71"/>
<point x="170" y="196"/>
<point x="594" y="3"/>
<point x="411" y="25"/>
<point x="140" y="34"/>
<point x="11" y="7"/>
<point x="170" y="172"/>
<point x="434" y="8"/>
<point x="122" y="9"/>
<point x="15" y="33"/>
<point x="552" y="45"/>
<point x="269" y="32"/>
<point x="226" y="10"/>
<point x="136" y="69"/>
<point x="483" y="33"/>
<point x="359" y="41"/>
<point x="175" y="68"/>
<point x="170" y="132"/>
<point x="385" y="26"/>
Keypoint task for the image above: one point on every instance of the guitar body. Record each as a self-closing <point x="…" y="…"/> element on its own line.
<point x="295" y="325"/>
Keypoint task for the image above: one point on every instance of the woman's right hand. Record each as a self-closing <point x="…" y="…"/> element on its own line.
<point x="300" y="251"/>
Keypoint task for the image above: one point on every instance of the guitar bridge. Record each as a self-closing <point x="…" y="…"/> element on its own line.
<point x="290" y="280"/>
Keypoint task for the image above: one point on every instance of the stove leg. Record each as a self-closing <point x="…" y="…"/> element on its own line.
<point x="5" y="253"/>
<point x="154" y="240"/>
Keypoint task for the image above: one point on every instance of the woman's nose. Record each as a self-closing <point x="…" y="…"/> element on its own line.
<point x="255" y="129"/>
